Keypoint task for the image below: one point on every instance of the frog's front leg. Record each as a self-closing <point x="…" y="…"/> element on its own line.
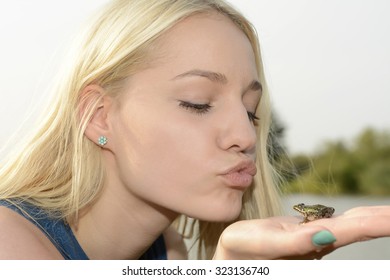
<point x="305" y="220"/>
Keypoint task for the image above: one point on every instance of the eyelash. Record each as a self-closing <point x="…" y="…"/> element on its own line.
<point x="253" y="118"/>
<point x="201" y="109"/>
<point x="196" y="108"/>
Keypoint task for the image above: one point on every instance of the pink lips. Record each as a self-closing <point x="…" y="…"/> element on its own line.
<point x="241" y="175"/>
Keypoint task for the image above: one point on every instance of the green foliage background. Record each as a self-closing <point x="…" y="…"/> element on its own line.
<point x="360" y="166"/>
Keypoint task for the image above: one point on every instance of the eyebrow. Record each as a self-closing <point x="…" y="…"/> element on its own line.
<point x="212" y="76"/>
<point x="216" y="77"/>
<point x="255" y="86"/>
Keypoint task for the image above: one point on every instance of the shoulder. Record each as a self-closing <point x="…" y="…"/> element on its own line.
<point x="176" y="249"/>
<point x="21" y="239"/>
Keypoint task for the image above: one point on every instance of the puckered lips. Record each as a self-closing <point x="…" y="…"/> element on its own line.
<point x="240" y="175"/>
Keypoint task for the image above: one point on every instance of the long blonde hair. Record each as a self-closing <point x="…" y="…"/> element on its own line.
<point x="60" y="170"/>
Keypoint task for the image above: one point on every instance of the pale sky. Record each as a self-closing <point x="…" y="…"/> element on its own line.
<point x="327" y="62"/>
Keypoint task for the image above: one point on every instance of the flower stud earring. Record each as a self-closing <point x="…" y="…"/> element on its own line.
<point x="102" y="140"/>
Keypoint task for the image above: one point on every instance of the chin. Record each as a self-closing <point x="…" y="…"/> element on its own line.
<point x="224" y="218"/>
<point x="221" y="213"/>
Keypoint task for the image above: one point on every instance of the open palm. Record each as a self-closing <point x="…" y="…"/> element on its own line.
<point x="285" y="238"/>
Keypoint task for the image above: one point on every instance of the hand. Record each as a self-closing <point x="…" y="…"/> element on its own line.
<point x="286" y="238"/>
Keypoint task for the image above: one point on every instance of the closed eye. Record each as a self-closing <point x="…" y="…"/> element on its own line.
<point x="195" y="107"/>
<point x="205" y="108"/>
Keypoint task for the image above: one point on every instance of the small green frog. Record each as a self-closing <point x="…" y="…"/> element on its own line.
<point x="313" y="212"/>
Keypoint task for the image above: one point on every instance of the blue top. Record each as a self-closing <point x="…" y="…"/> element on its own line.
<point x="62" y="237"/>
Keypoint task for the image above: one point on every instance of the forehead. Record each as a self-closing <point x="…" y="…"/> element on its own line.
<point x="207" y="41"/>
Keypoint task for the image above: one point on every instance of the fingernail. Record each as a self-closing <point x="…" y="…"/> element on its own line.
<point x="322" y="238"/>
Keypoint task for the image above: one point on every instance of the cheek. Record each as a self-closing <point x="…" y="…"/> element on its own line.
<point x="167" y="160"/>
<point x="160" y="152"/>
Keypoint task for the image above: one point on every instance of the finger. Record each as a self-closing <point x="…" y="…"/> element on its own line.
<point x="368" y="211"/>
<point x="303" y="243"/>
<point x="361" y="228"/>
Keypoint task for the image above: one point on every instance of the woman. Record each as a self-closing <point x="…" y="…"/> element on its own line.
<point x="163" y="115"/>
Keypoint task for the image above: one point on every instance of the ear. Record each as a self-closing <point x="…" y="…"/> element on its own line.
<point x="93" y="109"/>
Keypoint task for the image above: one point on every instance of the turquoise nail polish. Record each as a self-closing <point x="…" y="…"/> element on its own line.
<point x="322" y="238"/>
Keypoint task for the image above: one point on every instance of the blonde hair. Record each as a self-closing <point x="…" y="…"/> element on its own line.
<point x="61" y="170"/>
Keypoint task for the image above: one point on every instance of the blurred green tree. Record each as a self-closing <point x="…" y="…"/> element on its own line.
<point x="359" y="167"/>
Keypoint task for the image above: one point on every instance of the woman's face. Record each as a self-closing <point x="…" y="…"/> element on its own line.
<point x="183" y="129"/>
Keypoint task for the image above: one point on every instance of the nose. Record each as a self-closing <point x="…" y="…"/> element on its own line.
<point x="237" y="132"/>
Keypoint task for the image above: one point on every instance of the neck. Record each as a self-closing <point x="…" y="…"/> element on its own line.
<point x="120" y="225"/>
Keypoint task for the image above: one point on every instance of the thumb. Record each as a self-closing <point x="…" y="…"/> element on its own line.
<point x="304" y="242"/>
